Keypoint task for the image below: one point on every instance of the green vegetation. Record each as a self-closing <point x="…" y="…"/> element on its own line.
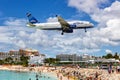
<point x="109" y="55"/>
<point x="51" y="61"/>
<point x="1" y="62"/>
<point x="9" y="60"/>
<point x="23" y="61"/>
<point x="116" y="56"/>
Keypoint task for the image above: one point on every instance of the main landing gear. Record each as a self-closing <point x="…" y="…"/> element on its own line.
<point x="62" y="33"/>
<point x="85" y="30"/>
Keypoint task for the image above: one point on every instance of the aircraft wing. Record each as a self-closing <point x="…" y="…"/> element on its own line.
<point x="63" y="23"/>
<point x="51" y="29"/>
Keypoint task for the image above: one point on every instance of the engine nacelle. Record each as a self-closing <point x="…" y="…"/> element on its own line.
<point x="69" y="31"/>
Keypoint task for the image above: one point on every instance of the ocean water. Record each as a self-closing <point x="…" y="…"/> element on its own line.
<point x="13" y="75"/>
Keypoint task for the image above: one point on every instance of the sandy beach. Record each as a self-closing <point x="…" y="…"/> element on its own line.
<point x="68" y="73"/>
<point x="19" y="68"/>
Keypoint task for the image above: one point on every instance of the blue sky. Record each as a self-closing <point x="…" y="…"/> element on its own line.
<point x="42" y="9"/>
<point x="104" y="14"/>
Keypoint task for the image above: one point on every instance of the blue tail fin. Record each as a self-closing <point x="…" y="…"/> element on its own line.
<point x="31" y="18"/>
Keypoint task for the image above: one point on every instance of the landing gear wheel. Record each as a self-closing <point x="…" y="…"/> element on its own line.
<point x="85" y="30"/>
<point x="62" y="33"/>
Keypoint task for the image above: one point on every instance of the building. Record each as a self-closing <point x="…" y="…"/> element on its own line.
<point x="29" y="52"/>
<point x="106" y="60"/>
<point x="69" y="57"/>
<point x="3" y="55"/>
<point x="86" y="57"/>
<point x="34" y="55"/>
<point x="37" y="59"/>
<point x="12" y="53"/>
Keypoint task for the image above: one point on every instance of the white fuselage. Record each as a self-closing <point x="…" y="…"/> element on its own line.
<point x="57" y="25"/>
<point x="50" y="25"/>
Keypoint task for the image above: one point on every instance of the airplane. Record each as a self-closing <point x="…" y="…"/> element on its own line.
<point x="61" y="25"/>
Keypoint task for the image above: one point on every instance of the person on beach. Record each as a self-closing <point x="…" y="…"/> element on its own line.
<point x="110" y="68"/>
<point x="97" y="67"/>
<point x="118" y="69"/>
<point x="60" y="77"/>
<point x="57" y="75"/>
<point x="37" y="79"/>
<point x="36" y="75"/>
<point x="96" y="75"/>
<point x="40" y="72"/>
<point x="68" y="77"/>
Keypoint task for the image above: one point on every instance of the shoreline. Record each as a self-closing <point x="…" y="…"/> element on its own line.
<point x="43" y="69"/>
<point x="67" y="73"/>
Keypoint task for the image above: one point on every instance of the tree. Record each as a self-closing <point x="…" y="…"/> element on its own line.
<point x="24" y="60"/>
<point x="9" y="60"/>
<point x="103" y="56"/>
<point x="116" y="56"/>
<point x="109" y="56"/>
<point x="1" y="62"/>
<point x="51" y="61"/>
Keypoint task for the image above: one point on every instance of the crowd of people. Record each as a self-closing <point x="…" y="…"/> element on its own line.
<point x="112" y="69"/>
<point x="75" y="73"/>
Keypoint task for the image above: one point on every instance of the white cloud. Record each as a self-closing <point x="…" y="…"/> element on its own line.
<point x="107" y="18"/>
<point x="39" y="38"/>
<point x="23" y="34"/>
<point x="77" y="42"/>
<point x="10" y="33"/>
<point x="52" y="19"/>
<point x="108" y="13"/>
<point x="88" y="6"/>
<point x="4" y="35"/>
<point x="92" y="7"/>
<point x="114" y="29"/>
<point x="15" y="22"/>
<point x="20" y="44"/>
<point x="108" y="33"/>
<point x="108" y="51"/>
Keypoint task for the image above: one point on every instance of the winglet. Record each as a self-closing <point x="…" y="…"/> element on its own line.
<point x="56" y="15"/>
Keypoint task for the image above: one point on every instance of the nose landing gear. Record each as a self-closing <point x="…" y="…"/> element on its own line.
<point x="85" y="30"/>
